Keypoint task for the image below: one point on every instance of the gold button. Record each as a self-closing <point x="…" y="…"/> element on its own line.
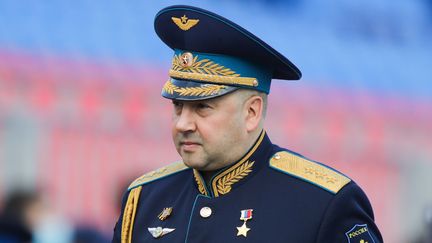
<point x="205" y="212"/>
<point x="277" y="156"/>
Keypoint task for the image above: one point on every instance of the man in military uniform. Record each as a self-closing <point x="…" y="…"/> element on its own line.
<point x="233" y="184"/>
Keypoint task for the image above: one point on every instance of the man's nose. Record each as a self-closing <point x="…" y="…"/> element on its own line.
<point x="185" y="121"/>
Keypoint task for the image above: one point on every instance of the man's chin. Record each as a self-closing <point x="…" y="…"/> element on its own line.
<point x="193" y="163"/>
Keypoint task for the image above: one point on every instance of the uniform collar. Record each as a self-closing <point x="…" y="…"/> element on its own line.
<point x="225" y="180"/>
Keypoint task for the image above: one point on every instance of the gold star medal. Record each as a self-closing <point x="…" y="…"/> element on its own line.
<point x="245" y="215"/>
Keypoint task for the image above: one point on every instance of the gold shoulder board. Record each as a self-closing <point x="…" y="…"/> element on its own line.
<point x="158" y="174"/>
<point x="309" y="171"/>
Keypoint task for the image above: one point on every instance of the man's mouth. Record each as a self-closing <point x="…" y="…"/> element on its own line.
<point x="189" y="146"/>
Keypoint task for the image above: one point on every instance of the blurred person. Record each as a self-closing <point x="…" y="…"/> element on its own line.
<point x="26" y="217"/>
<point x="233" y="184"/>
<point x="19" y="216"/>
<point x="53" y="228"/>
<point x="426" y="233"/>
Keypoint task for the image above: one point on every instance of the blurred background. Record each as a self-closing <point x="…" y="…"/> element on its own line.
<point x="81" y="113"/>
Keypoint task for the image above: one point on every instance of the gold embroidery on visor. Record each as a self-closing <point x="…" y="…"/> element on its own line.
<point x="204" y="90"/>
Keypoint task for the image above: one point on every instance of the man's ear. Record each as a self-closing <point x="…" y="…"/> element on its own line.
<point x="253" y="110"/>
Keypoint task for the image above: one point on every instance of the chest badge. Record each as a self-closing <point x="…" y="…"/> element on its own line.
<point x="166" y="212"/>
<point x="158" y="232"/>
<point x="359" y="233"/>
<point x="245" y="215"/>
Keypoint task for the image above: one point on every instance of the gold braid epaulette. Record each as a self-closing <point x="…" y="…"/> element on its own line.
<point x="129" y="215"/>
<point x="158" y="174"/>
<point x="134" y="194"/>
<point x="309" y="171"/>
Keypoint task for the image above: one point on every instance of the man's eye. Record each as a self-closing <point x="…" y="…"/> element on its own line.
<point x="202" y="106"/>
<point x="177" y="104"/>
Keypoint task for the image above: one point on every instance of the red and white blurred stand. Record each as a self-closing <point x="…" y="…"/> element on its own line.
<point x="104" y="124"/>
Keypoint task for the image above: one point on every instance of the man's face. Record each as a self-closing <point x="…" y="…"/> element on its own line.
<point x="210" y="134"/>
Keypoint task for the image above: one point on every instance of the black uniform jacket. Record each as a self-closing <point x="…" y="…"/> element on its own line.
<point x="270" y="195"/>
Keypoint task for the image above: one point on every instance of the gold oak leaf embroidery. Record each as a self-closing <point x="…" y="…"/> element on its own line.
<point x="224" y="184"/>
<point x="201" y="188"/>
<point x="169" y="87"/>
<point x="204" y="90"/>
<point x="204" y="66"/>
<point x="199" y="91"/>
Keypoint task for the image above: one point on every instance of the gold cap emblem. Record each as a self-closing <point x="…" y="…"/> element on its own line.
<point x="186" y="59"/>
<point x="184" y="23"/>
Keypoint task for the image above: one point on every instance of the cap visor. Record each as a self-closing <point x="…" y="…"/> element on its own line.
<point x="177" y="89"/>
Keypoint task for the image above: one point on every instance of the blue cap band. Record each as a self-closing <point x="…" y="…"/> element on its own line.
<point x="220" y="69"/>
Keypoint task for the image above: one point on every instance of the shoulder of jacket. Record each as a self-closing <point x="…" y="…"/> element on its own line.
<point x="309" y="171"/>
<point x="158" y="174"/>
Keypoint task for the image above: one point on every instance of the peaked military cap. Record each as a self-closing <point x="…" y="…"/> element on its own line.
<point x="214" y="56"/>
